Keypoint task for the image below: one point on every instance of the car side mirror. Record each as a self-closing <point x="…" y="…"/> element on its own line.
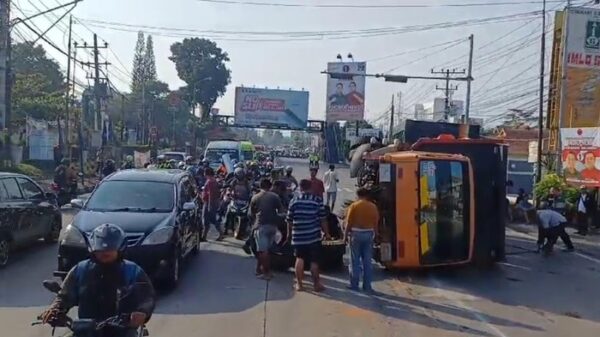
<point x="52" y="286"/>
<point x="50" y="196"/>
<point x="77" y="203"/>
<point x="189" y="206"/>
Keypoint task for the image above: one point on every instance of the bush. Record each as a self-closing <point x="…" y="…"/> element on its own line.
<point x="542" y="189"/>
<point x="29" y="170"/>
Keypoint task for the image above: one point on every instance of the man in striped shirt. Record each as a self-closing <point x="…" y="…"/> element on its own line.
<point x="306" y="218"/>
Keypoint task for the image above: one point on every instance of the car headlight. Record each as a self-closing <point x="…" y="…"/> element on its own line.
<point x="72" y="236"/>
<point x="160" y="236"/>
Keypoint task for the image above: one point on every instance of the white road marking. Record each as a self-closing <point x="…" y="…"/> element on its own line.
<point x="581" y="255"/>
<point x="347" y="190"/>
<point x="514" y="266"/>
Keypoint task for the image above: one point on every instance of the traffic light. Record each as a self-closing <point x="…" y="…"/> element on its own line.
<point x="395" y="78"/>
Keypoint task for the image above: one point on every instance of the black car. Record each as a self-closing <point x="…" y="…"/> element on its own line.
<point x="156" y="209"/>
<point x="27" y="214"/>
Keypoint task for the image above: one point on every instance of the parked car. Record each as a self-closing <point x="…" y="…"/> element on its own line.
<point x="27" y="214"/>
<point x="155" y="208"/>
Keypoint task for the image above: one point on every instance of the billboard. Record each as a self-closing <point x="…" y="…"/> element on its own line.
<point x="439" y="108"/>
<point x="582" y="97"/>
<point x="264" y="107"/>
<point x="346" y="94"/>
<point x="581" y="155"/>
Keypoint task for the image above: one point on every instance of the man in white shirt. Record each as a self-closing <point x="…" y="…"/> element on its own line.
<point x="552" y="224"/>
<point x="330" y="180"/>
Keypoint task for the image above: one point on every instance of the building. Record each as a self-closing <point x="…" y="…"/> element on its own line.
<point x="520" y="171"/>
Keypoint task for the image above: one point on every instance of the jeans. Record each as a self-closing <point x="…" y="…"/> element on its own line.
<point x="361" y="253"/>
<point x="331" y="196"/>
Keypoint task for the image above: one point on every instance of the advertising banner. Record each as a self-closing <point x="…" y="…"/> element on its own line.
<point x="263" y="107"/>
<point x="580" y="155"/>
<point x="346" y="94"/>
<point x="582" y="103"/>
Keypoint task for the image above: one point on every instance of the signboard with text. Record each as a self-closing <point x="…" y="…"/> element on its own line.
<point x="345" y="93"/>
<point x="262" y="107"/>
<point x="580" y="155"/>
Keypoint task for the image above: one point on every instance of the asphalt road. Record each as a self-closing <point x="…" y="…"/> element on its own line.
<point x="528" y="295"/>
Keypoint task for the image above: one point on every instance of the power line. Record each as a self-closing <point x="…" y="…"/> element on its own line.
<point x="354" y="6"/>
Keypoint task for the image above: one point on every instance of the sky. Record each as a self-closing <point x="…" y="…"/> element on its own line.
<point x="506" y="54"/>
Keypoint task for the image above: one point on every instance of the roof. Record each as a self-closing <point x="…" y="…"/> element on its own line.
<point x="11" y="174"/>
<point x="517" y="139"/>
<point x="165" y="176"/>
<point x="223" y="144"/>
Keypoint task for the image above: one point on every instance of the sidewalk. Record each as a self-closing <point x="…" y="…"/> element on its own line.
<point x="592" y="240"/>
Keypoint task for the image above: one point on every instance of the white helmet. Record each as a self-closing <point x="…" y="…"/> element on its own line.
<point x="238" y="172"/>
<point x="181" y="165"/>
<point x="289" y="169"/>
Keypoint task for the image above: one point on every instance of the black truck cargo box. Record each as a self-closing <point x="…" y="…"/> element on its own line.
<point x="414" y="130"/>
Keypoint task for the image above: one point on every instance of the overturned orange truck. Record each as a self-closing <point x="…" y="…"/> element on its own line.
<point x="441" y="193"/>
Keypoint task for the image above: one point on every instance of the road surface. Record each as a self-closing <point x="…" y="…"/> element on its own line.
<point x="219" y="296"/>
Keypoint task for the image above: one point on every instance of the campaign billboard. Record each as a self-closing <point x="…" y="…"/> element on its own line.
<point x="264" y="107"/>
<point x="581" y="155"/>
<point x="582" y="97"/>
<point x="345" y="93"/>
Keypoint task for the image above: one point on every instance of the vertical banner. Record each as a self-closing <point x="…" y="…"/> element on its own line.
<point x="582" y="102"/>
<point x="346" y="93"/>
<point x="581" y="155"/>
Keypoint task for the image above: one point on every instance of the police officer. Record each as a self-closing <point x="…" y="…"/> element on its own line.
<point x="106" y="285"/>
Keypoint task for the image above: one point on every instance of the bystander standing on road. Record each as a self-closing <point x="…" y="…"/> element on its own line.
<point x="330" y="179"/>
<point x="264" y="208"/>
<point x="210" y="197"/>
<point x="552" y="225"/>
<point x="362" y="218"/>
<point x="306" y="218"/>
<point x="585" y="209"/>
<point x="317" y="187"/>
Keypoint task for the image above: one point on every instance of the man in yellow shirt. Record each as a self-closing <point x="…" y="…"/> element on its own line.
<point x="362" y="219"/>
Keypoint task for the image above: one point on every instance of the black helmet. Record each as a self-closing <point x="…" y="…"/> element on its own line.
<point x="107" y="237"/>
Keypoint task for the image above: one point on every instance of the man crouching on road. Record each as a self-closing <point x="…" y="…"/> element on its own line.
<point x="306" y="218"/>
<point x="265" y="207"/>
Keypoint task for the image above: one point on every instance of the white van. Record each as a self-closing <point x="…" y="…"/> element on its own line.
<point x="216" y="149"/>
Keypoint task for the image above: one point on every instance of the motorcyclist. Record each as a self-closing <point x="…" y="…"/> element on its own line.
<point x="172" y="164"/>
<point x="241" y="190"/>
<point x="181" y="165"/>
<point x="290" y="180"/>
<point x="109" y="168"/>
<point x="161" y="161"/>
<point x="128" y="164"/>
<point x="313" y="161"/>
<point x="60" y="174"/>
<point x="105" y="285"/>
<point x="189" y="165"/>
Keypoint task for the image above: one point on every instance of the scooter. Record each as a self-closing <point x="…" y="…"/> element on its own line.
<point x="238" y="209"/>
<point x="63" y="195"/>
<point x="88" y="327"/>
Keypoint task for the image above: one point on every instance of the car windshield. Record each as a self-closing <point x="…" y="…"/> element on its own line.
<point x="216" y="155"/>
<point x="132" y="196"/>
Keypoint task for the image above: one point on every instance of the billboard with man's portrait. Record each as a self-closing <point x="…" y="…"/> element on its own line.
<point x="581" y="155"/>
<point x="346" y="94"/>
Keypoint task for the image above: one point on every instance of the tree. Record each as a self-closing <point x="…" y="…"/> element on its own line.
<point x="30" y="97"/>
<point x="138" y="64"/>
<point x="149" y="61"/>
<point x="516" y="118"/>
<point x="28" y="60"/>
<point x="202" y="66"/>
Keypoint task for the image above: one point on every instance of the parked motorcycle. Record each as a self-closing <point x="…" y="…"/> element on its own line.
<point x="88" y="327"/>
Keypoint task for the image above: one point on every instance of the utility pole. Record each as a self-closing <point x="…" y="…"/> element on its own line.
<point x="399" y="106"/>
<point x="448" y="89"/>
<point x="470" y="78"/>
<point x="563" y="86"/>
<point x="68" y="92"/>
<point x="538" y="168"/>
<point x="4" y="72"/>
<point x="122" y="117"/>
<point x="391" y="134"/>
<point x="98" y="92"/>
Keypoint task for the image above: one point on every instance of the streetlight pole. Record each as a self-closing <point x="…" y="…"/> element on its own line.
<point x="538" y="171"/>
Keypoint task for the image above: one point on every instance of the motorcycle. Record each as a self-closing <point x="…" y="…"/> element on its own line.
<point x="282" y="253"/>
<point x="64" y="195"/>
<point x="238" y="221"/>
<point x="88" y="327"/>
